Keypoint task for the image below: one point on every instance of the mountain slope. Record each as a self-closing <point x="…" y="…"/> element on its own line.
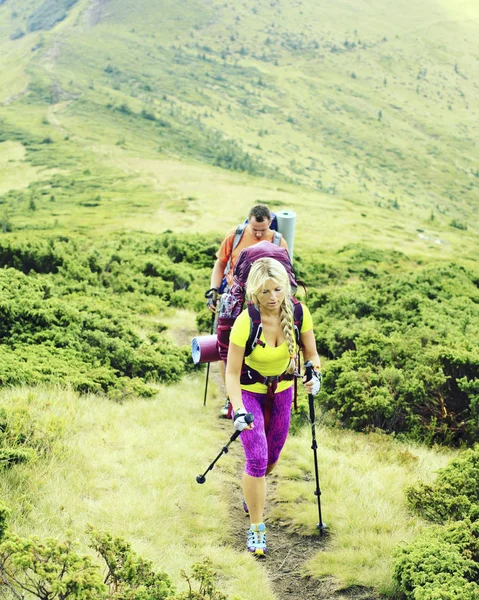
<point x="365" y="102"/>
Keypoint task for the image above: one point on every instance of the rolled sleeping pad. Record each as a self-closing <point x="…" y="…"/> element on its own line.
<point x="204" y="349"/>
<point x="286" y="225"/>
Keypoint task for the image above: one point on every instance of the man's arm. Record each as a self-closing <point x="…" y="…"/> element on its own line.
<point x="217" y="273"/>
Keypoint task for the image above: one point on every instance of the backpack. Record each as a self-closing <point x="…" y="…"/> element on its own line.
<point x="277" y="237"/>
<point x="232" y="302"/>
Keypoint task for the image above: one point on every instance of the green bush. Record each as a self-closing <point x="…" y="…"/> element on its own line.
<point x="49" y="569"/>
<point x="454" y="495"/>
<point x="441" y="564"/>
<point x="4" y="516"/>
<point x="401" y="352"/>
<point x="71" y="312"/>
<point x="49" y="13"/>
<point x="129" y="576"/>
<point x="53" y="569"/>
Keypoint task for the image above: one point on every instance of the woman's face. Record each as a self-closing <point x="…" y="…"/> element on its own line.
<point x="271" y="295"/>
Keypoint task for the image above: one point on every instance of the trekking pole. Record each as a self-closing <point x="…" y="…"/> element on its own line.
<point x="211" y="294"/>
<point x="208" y="367"/>
<point x="314" y="446"/>
<point x="249" y="418"/>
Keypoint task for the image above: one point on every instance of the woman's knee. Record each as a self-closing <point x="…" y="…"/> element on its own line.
<point x="256" y="467"/>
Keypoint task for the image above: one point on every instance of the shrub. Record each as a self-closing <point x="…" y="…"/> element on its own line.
<point x="53" y="569"/>
<point x="17" y="34"/>
<point x="455" y="493"/>
<point x="4" y="516"/>
<point x="458" y="224"/>
<point x="70" y="314"/>
<point x="441" y="564"/>
<point x="48" y="14"/>
<point x="401" y="353"/>
<point x="128" y="575"/>
<point x="48" y="569"/>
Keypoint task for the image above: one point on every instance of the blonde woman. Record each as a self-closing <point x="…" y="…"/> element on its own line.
<point x="262" y="382"/>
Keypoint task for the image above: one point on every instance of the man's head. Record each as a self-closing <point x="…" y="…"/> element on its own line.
<point x="259" y="220"/>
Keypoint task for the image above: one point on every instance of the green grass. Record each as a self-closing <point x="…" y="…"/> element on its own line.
<point x="130" y="468"/>
<point x="276" y="80"/>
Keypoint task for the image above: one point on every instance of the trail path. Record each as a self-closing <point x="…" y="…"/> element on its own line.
<point x="288" y="552"/>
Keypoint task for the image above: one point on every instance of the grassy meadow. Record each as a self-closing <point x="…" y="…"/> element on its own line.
<point x="127" y="127"/>
<point x="130" y="469"/>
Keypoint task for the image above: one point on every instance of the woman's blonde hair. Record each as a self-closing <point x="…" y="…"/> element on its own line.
<point x="261" y="271"/>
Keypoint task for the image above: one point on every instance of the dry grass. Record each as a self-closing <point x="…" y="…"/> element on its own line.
<point x="363" y="479"/>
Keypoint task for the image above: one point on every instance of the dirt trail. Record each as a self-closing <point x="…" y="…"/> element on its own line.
<point x="95" y="11"/>
<point x="288" y="552"/>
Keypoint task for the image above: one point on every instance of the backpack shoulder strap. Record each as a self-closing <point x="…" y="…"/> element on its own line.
<point x="236" y="240"/>
<point x="297" y="318"/>
<point x="255" y="329"/>
<point x="298" y="323"/>
<point x="277" y="237"/>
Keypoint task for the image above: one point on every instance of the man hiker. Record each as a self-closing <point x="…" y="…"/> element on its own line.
<point x="258" y="229"/>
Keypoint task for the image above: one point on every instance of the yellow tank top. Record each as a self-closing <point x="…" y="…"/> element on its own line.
<point x="265" y="359"/>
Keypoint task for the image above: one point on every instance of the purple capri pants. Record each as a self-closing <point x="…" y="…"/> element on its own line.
<point x="261" y="448"/>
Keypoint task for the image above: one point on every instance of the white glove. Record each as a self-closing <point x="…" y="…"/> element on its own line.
<point x="315" y="378"/>
<point x="239" y="419"/>
<point x="316" y="385"/>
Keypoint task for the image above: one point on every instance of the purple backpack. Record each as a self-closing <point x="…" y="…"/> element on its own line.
<point x="232" y="302"/>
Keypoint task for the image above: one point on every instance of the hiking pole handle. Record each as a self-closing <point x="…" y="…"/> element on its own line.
<point x="211" y="293"/>
<point x="308" y="370"/>
<point x="249" y="418"/>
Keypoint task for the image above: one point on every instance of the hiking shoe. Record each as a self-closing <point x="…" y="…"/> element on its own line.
<point x="226" y="410"/>
<point x="256" y="543"/>
<point x="245" y="507"/>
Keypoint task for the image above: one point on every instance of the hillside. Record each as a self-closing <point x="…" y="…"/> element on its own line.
<point x="133" y="134"/>
<point x="358" y="115"/>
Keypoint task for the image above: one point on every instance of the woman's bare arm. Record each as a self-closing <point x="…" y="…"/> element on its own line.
<point x="233" y="374"/>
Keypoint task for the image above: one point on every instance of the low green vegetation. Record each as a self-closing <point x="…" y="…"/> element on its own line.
<point x="54" y="569"/>
<point x="91" y="316"/>
<point x="48" y="13"/>
<point x="443" y="562"/>
<point x="128" y="471"/>
<point x="401" y="344"/>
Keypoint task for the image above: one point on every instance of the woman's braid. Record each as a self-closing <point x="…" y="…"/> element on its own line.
<point x="287" y="325"/>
